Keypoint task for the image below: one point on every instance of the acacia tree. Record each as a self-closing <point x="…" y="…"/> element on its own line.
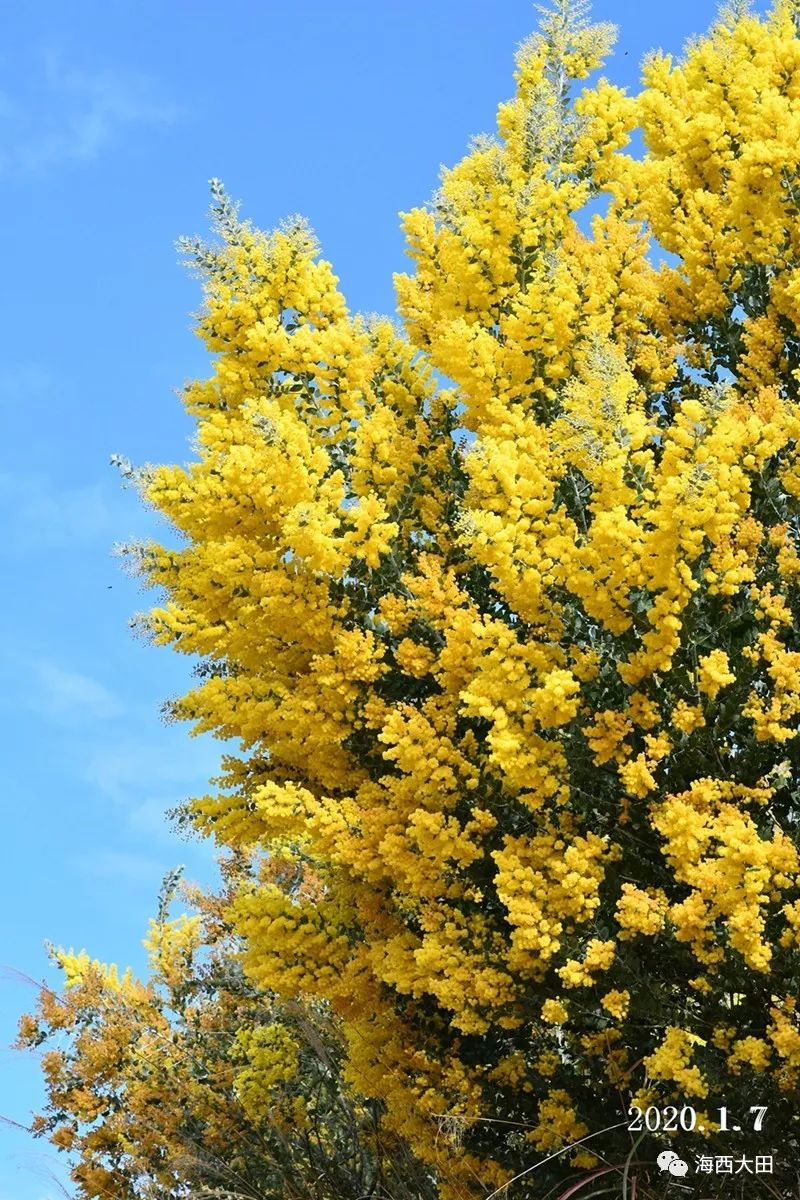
<point x="512" y="665"/>
<point x="193" y="1082"/>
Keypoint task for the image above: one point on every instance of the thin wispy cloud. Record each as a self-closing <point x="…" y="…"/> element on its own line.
<point x="42" y="515"/>
<point x="72" y="115"/>
<point x="73" y="696"/>
<point x="125" y="770"/>
<point x="145" y="780"/>
<point x="149" y="819"/>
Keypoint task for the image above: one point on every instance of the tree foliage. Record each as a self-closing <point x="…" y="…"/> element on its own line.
<point x="194" y="1083"/>
<point x="512" y="665"/>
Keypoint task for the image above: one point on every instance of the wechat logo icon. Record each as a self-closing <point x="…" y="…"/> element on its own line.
<point x="669" y="1161"/>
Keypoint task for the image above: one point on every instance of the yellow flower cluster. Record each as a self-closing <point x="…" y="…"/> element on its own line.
<point x="598" y="957"/>
<point x="171" y="944"/>
<point x="548" y="887"/>
<point x="672" y="1061"/>
<point x="271" y="1058"/>
<point x="555" y="1012"/>
<point x="733" y="873"/>
<point x="640" y="911"/>
<point x="784" y="1033"/>
<point x="558" y="1122"/>
<point x="714" y="673"/>
<point x="617" y="1003"/>
<point x="752" y="1051"/>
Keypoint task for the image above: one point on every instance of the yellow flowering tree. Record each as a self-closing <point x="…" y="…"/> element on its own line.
<point x="511" y="665"/>
<point x="194" y="1082"/>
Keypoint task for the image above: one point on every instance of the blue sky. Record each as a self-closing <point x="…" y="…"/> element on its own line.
<point x="113" y="116"/>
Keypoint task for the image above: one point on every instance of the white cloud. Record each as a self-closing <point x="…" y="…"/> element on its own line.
<point x="42" y="515"/>
<point x="150" y="818"/>
<point x="171" y="769"/>
<point x="75" y="115"/>
<point x="145" y="778"/>
<point x="73" y="696"/>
